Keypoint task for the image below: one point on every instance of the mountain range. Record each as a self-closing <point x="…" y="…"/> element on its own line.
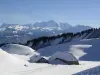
<point x="14" y="33"/>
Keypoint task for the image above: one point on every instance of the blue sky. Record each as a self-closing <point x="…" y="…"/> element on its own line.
<point x="86" y="12"/>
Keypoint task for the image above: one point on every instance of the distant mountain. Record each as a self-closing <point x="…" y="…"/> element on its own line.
<point x="50" y="25"/>
<point x="14" y="32"/>
<point x="65" y="27"/>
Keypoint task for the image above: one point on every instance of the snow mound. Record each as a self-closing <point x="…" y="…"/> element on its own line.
<point x="63" y="58"/>
<point x="63" y="55"/>
<point x="17" y="49"/>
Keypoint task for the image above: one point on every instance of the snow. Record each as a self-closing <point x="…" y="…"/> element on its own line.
<point x="20" y="51"/>
<point x="63" y="55"/>
<point x="12" y="60"/>
<point x="45" y="69"/>
<point x="7" y="60"/>
<point x="60" y="69"/>
<point x="17" y="49"/>
<point x="81" y="49"/>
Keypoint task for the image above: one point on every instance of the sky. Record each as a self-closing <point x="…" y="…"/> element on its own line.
<point x="85" y="12"/>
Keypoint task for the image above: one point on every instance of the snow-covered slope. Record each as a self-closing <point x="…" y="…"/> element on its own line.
<point x="6" y="57"/>
<point x="10" y="64"/>
<point x="7" y="60"/>
<point x="86" y="49"/>
<point x="61" y="69"/>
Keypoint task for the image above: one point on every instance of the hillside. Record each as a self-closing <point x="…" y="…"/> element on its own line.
<point x="60" y="39"/>
<point x="15" y="65"/>
<point x="82" y="49"/>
